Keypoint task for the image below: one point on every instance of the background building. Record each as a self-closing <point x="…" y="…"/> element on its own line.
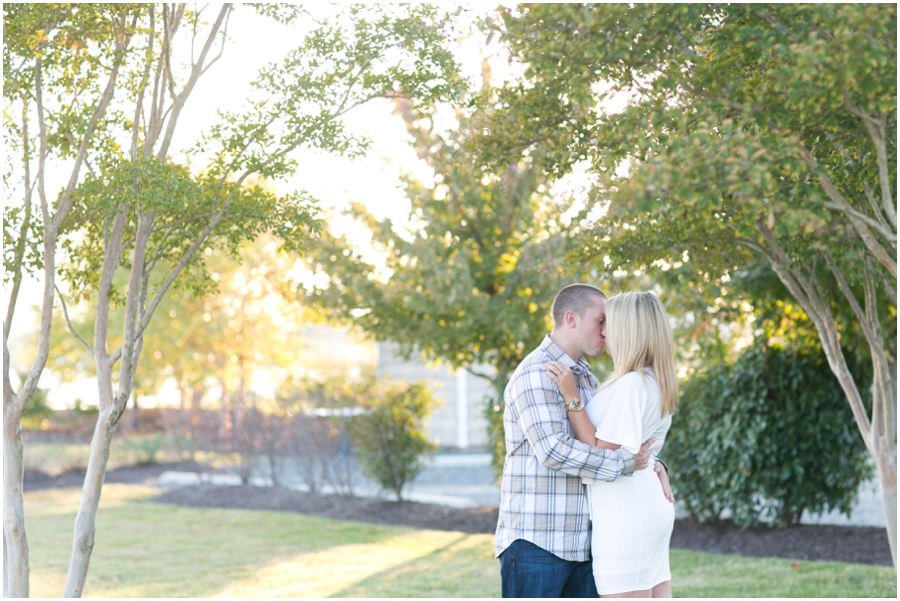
<point x="459" y="421"/>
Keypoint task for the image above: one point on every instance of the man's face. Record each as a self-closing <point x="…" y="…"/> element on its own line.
<point x="591" y="329"/>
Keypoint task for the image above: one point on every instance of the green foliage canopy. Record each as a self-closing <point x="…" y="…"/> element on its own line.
<point x="745" y="124"/>
<point x="471" y="279"/>
<point x="748" y="130"/>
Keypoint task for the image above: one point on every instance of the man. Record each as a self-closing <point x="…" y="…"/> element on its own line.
<point x="543" y="537"/>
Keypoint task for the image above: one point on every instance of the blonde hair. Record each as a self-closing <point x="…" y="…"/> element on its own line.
<point x="638" y="335"/>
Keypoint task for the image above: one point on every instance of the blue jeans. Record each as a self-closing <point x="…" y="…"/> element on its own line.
<point x="526" y="570"/>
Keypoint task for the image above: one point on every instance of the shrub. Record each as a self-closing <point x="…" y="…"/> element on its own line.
<point x="145" y="448"/>
<point x="493" y="414"/>
<point x="769" y="436"/>
<point x="318" y="441"/>
<point x="388" y="436"/>
<point x="37" y="411"/>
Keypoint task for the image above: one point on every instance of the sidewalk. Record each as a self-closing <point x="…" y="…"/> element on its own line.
<point x="461" y="480"/>
<point x="465" y="480"/>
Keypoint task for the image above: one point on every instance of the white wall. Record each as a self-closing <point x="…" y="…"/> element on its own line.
<point x="459" y="421"/>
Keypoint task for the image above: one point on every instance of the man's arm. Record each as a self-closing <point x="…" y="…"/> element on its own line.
<point x="536" y="407"/>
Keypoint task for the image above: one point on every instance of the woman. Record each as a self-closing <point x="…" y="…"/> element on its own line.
<point x="631" y="518"/>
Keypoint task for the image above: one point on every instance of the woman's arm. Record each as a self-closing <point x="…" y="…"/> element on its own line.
<point x="585" y="430"/>
<point x="581" y="424"/>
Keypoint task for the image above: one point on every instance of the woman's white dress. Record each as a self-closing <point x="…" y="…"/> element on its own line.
<point x="631" y="519"/>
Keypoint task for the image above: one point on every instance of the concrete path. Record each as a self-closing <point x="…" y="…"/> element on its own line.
<point x="465" y="480"/>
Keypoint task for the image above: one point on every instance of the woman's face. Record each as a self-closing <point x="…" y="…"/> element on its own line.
<point x="604" y="335"/>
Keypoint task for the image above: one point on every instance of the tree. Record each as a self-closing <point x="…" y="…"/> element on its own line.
<point x="752" y="130"/>
<point x="141" y="213"/>
<point x="245" y="327"/>
<point x="61" y="67"/>
<point x="471" y="278"/>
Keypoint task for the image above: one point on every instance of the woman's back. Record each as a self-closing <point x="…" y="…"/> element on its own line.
<point x="627" y="412"/>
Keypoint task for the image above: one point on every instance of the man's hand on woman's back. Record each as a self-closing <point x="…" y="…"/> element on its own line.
<point x="642" y="457"/>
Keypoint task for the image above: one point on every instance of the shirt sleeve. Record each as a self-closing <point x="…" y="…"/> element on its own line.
<point x="622" y="421"/>
<point x="534" y="401"/>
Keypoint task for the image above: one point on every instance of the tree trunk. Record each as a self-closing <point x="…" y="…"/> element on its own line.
<point x="15" y="542"/>
<point x="273" y="467"/>
<point x="8" y="571"/>
<point x="135" y="414"/>
<point x="194" y="420"/>
<point x="880" y="432"/>
<point x="884" y="442"/>
<point x="886" y="467"/>
<point x="85" y="521"/>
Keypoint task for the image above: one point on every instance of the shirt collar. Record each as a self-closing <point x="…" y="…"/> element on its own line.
<point x="555" y="352"/>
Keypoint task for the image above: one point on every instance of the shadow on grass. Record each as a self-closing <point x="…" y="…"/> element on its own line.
<point x="463" y="568"/>
<point x="150" y="549"/>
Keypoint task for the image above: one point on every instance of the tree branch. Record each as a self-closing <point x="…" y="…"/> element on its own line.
<point x="50" y="232"/>
<point x="66" y="202"/>
<point x="26" y="225"/>
<point x="180" y="222"/>
<point x="180" y="99"/>
<point x="69" y="321"/>
<point x="874" y="204"/>
<point x="883" y="398"/>
<point x="850" y="211"/>
<point x="861" y="228"/>
<point x="112" y="254"/>
<point x="130" y="336"/>
<point x="478" y="374"/>
<point x="182" y="263"/>
<point x="806" y="293"/>
<point x="862" y="317"/>
<point x="889" y="290"/>
<point x="215" y="59"/>
<point x="8" y="392"/>
<point x="771" y="20"/>
<point x="145" y="80"/>
<point x="876" y="129"/>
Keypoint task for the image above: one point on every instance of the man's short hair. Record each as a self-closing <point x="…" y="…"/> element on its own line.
<point x="574" y="297"/>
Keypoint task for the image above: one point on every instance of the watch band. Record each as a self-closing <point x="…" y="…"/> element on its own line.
<point x="575" y="404"/>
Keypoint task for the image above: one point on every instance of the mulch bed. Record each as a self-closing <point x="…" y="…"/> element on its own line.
<point x="824" y="543"/>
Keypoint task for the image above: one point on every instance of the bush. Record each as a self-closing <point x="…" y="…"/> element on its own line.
<point x="321" y="450"/>
<point x="766" y="437"/>
<point x="493" y="414"/>
<point x="37" y="412"/>
<point x="318" y="440"/>
<point x="145" y="448"/>
<point x="388" y="436"/>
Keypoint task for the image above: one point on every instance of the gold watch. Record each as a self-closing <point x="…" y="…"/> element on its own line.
<point x="575" y="404"/>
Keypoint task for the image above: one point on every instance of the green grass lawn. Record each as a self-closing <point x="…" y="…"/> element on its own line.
<point x="145" y="549"/>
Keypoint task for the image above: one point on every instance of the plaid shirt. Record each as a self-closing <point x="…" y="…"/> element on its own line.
<point x="542" y="498"/>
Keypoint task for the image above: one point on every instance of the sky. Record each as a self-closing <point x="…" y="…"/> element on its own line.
<point x="372" y="180"/>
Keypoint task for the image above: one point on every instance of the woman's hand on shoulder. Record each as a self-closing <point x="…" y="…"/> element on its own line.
<point x="563" y="377"/>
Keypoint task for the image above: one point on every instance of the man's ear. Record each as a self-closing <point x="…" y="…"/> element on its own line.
<point x="570" y="319"/>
